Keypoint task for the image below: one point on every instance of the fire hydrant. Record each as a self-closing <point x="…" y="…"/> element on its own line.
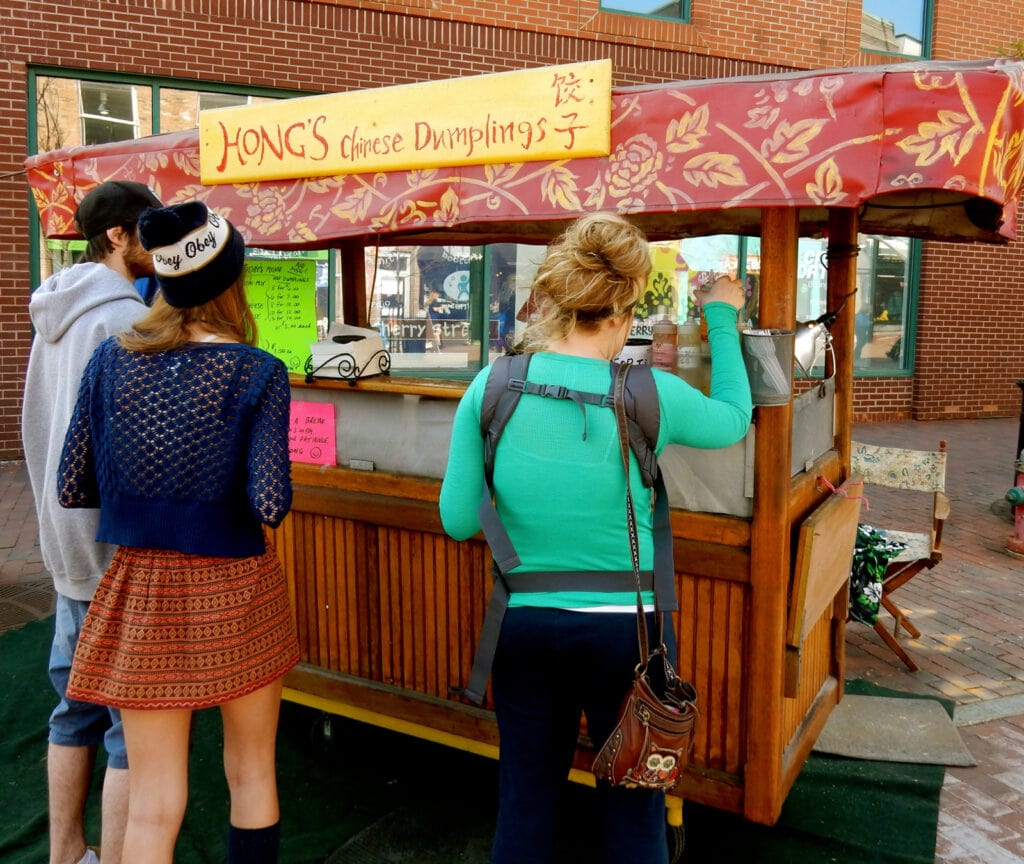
<point x="1015" y="542"/>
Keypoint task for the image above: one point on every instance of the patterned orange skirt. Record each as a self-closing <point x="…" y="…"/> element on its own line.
<point x="170" y="630"/>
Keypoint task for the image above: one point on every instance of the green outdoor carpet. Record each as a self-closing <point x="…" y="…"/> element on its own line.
<point x="330" y="789"/>
<point x="352" y="793"/>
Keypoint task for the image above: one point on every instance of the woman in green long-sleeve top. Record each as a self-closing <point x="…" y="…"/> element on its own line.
<point x="559" y="489"/>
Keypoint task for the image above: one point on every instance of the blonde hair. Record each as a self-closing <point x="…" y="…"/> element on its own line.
<point x="596" y="270"/>
<point x="165" y="327"/>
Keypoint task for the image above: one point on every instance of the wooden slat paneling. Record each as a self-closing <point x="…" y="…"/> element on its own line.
<point x="402" y="607"/>
<point x="711" y="640"/>
<point x="815" y="671"/>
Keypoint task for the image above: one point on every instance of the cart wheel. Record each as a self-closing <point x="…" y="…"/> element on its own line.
<point x="676" y="836"/>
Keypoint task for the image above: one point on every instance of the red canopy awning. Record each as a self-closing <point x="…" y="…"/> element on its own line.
<point x="925" y="149"/>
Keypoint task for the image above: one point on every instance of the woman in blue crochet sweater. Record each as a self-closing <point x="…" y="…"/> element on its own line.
<point x="560" y="491"/>
<point x="180" y="437"/>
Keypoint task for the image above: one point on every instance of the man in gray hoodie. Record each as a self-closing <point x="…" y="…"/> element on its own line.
<point x="72" y="312"/>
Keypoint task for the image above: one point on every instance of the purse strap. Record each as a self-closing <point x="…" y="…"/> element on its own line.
<point x="619" y="404"/>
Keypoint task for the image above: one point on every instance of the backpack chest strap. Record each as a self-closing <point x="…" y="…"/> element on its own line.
<point x="557" y="391"/>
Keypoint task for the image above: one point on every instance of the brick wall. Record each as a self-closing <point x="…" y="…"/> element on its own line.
<point x="348" y="44"/>
<point x="979" y="28"/>
<point x="970" y="350"/>
<point x="15" y="327"/>
<point x="800" y="33"/>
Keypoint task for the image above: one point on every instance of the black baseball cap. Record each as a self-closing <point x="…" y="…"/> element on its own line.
<point x="113" y="203"/>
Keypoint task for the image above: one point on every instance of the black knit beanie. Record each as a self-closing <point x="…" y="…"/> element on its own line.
<point x="197" y="253"/>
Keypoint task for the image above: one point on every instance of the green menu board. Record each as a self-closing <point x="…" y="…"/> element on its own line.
<point x="282" y="294"/>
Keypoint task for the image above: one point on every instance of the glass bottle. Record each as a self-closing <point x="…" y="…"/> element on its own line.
<point x="665" y="336"/>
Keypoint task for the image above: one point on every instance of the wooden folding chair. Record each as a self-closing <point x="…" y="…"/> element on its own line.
<point x="918" y="471"/>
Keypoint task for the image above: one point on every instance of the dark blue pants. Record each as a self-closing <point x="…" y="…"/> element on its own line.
<point x="552" y="665"/>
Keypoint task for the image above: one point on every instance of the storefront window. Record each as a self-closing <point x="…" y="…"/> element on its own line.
<point x="882" y="303"/>
<point x="69" y="111"/>
<point x="179" y="109"/>
<point x="902" y="28"/>
<point x="454" y="308"/>
<point x="678" y="10"/>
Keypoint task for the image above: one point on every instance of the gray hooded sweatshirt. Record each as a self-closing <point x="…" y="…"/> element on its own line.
<point x="73" y="311"/>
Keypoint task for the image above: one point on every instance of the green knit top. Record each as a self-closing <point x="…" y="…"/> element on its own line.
<point x="561" y="496"/>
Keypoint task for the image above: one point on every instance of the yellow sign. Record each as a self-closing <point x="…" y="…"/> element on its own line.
<point x="555" y="112"/>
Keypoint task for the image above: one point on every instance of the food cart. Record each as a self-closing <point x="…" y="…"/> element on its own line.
<point x="388" y="607"/>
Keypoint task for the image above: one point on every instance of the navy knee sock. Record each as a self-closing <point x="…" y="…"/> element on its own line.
<point x="253" y="845"/>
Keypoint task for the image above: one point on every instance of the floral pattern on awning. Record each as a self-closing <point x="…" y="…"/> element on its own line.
<point x="922" y="135"/>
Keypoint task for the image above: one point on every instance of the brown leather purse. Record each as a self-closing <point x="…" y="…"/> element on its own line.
<point x="650" y="744"/>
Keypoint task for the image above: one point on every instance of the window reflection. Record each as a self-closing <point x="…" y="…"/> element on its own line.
<point x="656" y="8"/>
<point x="72" y="112"/>
<point x="895" y="28"/>
<point x="882" y="303"/>
<point x="449" y="307"/>
<point x="108" y="112"/>
<point x="179" y="109"/>
<point x="882" y="300"/>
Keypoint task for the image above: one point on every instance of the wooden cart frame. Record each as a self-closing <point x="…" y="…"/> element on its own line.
<point x="388" y="607"/>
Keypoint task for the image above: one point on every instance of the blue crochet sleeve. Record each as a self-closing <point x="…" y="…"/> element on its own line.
<point x="76" y="476"/>
<point x="269" y="466"/>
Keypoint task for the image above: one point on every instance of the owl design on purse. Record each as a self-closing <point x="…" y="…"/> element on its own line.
<point x="660" y="768"/>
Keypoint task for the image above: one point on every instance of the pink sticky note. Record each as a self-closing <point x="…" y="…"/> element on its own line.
<point x="311" y="433"/>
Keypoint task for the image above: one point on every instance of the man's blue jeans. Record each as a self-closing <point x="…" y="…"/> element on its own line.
<point x="74" y="723"/>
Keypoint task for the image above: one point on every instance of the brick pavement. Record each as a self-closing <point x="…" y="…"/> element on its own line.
<point x="968" y="607"/>
<point x="971" y="649"/>
<point x="26" y="592"/>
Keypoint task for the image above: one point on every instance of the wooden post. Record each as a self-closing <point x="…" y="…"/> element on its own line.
<point x="842" y="281"/>
<point x="770" y="535"/>
<point x="354" y="299"/>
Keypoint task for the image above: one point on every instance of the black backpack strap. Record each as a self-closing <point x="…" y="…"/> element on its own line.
<point x="643" y="419"/>
<point x="487" y="642"/>
<point x="664" y="560"/>
<point x="505" y="384"/>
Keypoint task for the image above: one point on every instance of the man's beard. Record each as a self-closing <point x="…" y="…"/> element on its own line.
<point x="138" y="261"/>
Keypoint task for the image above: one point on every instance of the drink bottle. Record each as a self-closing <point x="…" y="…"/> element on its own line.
<point x="664" y="343"/>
